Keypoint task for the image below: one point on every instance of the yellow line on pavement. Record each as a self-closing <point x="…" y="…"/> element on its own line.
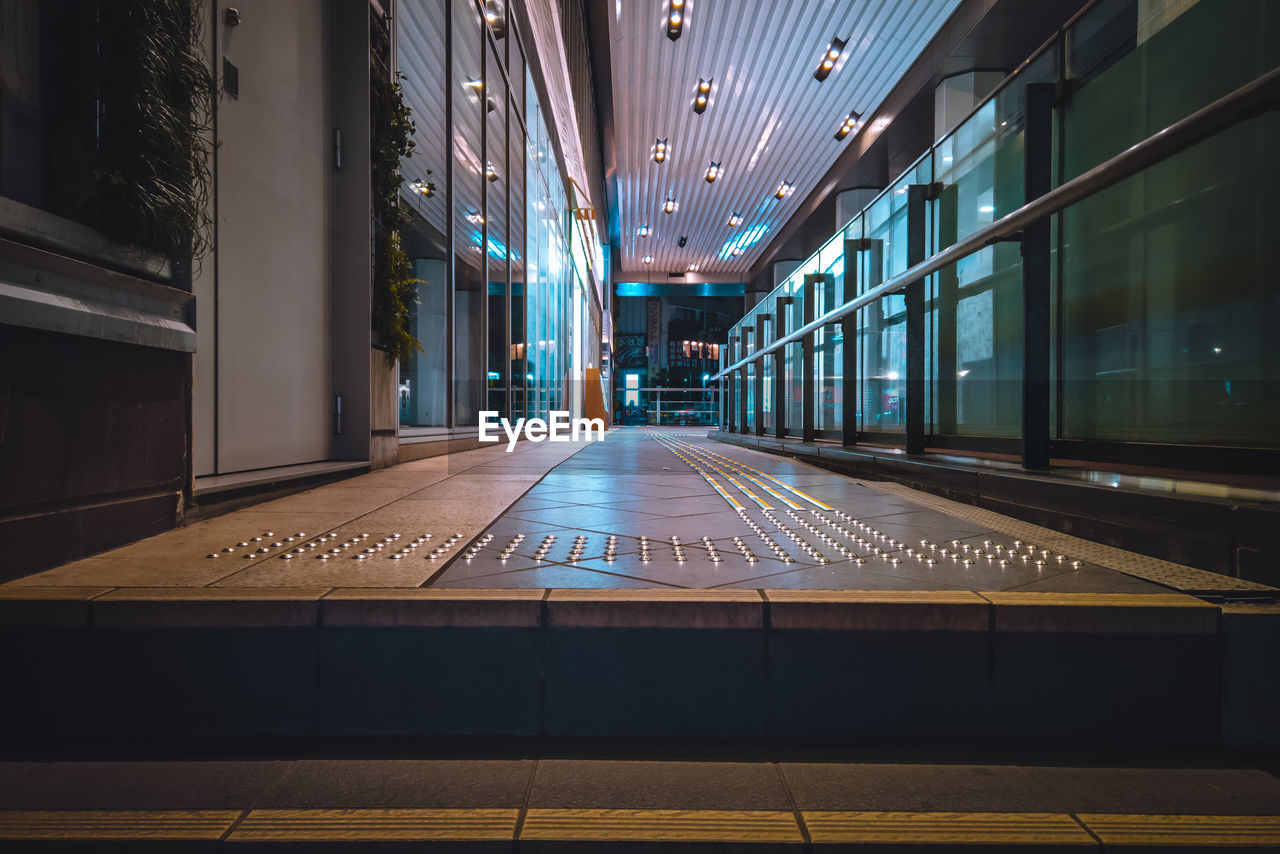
<point x="608" y="825"/>
<point x="317" y="825"/>
<point x="72" y="825"/>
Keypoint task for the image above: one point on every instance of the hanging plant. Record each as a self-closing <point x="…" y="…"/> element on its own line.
<point x="394" y="287"/>
<point x="151" y="160"/>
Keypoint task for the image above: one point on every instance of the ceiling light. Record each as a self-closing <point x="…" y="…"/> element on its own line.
<point x="701" y="95"/>
<point x="735" y="252"/>
<point x="785" y="189"/>
<point x="682" y="241"/>
<point x="490" y="172"/>
<point x="669" y="206"/>
<point x="676" y="15"/>
<point x="713" y="172"/>
<point x="644" y="231"/>
<point x="735" y="220"/>
<point x="692" y="268"/>
<point x="850" y="122"/>
<point x="659" y="151"/>
<point x="494" y="14"/>
<point x="648" y="259"/>
<point x="829" y="59"/>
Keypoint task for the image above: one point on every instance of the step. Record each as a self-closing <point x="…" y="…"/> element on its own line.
<point x="945" y="667"/>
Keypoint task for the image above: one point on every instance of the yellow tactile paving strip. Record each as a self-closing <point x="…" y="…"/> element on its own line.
<point x="371" y="825"/>
<point x="1185" y="830"/>
<point x="69" y="825"/>
<point x="943" y="828"/>
<point x="1152" y="569"/>
<point x="617" y="825"/>
<point x="649" y="825"/>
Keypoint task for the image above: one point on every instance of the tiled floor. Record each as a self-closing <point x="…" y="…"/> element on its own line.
<point x="645" y="508"/>
<point x="606" y="517"/>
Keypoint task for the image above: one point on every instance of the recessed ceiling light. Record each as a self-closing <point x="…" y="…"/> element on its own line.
<point x="713" y="172"/>
<point x="644" y="231"/>
<point x="677" y="14"/>
<point x="490" y="172"/>
<point x="735" y="252"/>
<point x="702" y="95"/>
<point x="830" y="57"/>
<point x="692" y="268"/>
<point x="660" y="149"/>
<point x="735" y="220"/>
<point x="648" y="259"/>
<point x="494" y="14"/>
<point x="850" y="122"/>
<point x="670" y="205"/>
<point x="785" y="189"/>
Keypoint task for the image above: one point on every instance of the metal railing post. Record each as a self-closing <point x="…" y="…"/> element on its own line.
<point x="761" y="321"/>
<point x="731" y="385"/>
<point x="807" y="433"/>
<point x="742" y="403"/>
<point x="780" y="369"/>
<point x="849" y="349"/>
<point x="917" y="195"/>
<point x="1038" y="154"/>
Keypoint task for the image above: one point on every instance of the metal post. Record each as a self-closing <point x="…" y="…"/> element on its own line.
<point x="761" y="321"/>
<point x="849" y="349"/>
<point x="731" y="388"/>
<point x="657" y="408"/>
<point x="742" y="402"/>
<point x="947" y="307"/>
<point x="1038" y="148"/>
<point x="806" y="344"/>
<point x="914" y="292"/>
<point x="780" y="369"/>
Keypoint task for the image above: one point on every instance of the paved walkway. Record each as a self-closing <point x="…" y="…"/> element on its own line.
<point x="645" y="508"/>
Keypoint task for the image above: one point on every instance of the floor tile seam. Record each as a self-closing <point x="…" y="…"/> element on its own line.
<point x="265" y="558"/>
<point x="351" y="519"/>
<point x="529" y="785"/>
<point x="786" y="789"/>
<point x="551" y="564"/>
<point x="440" y="571"/>
<point x="1096" y="838"/>
<point x="235" y="824"/>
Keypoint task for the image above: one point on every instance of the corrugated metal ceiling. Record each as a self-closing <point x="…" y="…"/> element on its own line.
<point x="768" y="120"/>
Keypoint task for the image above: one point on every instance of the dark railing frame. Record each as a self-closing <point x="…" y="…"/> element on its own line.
<point x="1030" y="221"/>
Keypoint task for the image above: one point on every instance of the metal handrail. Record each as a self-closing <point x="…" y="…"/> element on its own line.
<point x="1250" y="100"/>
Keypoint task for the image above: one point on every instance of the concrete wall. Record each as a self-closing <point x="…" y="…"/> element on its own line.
<point x="264" y="396"/>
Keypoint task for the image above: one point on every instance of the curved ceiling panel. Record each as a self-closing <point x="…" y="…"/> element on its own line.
<point x="767" y="121"/>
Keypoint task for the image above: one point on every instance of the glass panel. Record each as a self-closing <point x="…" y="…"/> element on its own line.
<point x="768" y="308"/>
<point x="1168" y="296"/>
<point x="497" y="232"/>
<point x="424" y="381"/>
<point x="827" y="351"/>
<point x="468" y="215"/>
<point x="885" y="343"/>
<point x="850" y="388"/>
<point x="518" y="248"/>
<point x="794" y="290"/>
<point x="976" y="304"/>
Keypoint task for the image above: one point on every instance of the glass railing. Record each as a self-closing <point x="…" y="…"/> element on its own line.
<point x="1162" y="290"/>
<point x="668" y="407"/>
